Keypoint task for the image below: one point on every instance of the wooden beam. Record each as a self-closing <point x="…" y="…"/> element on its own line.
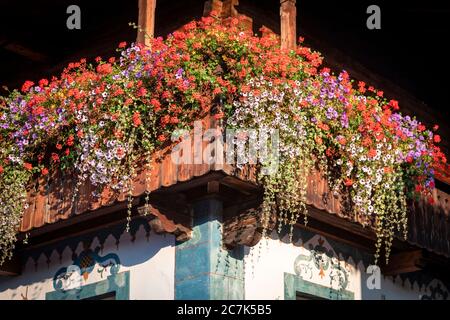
<point x="288" y="13"/>
<point x="21" y="50"/>
<point x="404" y="262"/>
<point x="223" y="8"/>
<point x="212" y="5"/>
<point x="146" y="21"/>
<point x="228" y="8"/>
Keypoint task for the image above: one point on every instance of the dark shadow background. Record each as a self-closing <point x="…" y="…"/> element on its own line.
<point x="410" y="50"/>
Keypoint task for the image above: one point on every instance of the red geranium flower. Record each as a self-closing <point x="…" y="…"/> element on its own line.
<point x="55" y="157"/>
<point x="122" y="45"/>
<point x="27" y="85"/>
<point x="1" y="170"/>
<point x="105" y="68"/>
<point x="44" y="171"/>
<point x="437" y="138"/>
<point x="156" y="104"/>
<point x="28" y="166"/>
<point x="394" y="104"/>
<point x="43" y="83"/>
<point x="372" y="153"/>
<point x="137" y="119"/>
<point x="38" y="110"/>
<point x="69" y="141"/>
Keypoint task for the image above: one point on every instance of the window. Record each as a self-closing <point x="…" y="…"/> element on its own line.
<point x="114" y="287"/>
<point x="296" y="288"/>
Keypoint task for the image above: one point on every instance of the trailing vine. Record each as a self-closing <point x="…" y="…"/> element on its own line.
<point x="100" y="120"/>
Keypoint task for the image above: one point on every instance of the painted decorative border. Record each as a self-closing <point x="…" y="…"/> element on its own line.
<point x="294" y="284"/>
<point x="118" y="283"/>
<point x="116" y="231"/>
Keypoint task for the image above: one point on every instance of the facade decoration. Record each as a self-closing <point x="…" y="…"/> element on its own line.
<point x="322" y="262"/>
<point x="436" y="291"/>
<point x="82" y="266"/>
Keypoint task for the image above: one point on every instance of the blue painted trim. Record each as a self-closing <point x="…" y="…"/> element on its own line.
<point x="294" y="284"/>
<point x="118" y="283"/>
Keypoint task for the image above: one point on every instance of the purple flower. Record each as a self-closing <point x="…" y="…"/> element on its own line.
<point x="179" y="73"/>
<point x="331" y="113"/>
<point x="344" y="120"/>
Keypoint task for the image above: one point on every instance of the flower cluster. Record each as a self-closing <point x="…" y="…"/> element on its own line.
<point x="365" y="148"/>
<point x="100" y="120"/>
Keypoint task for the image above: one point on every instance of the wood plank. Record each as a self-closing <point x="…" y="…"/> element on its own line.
<point x="228" y="8"/>
<point x="55" y="194"/>
<point x="155" y="178"/>
<point x="41" y="201"/>
<point x="67" y="205"/>
<point x="109" y="196"/>
<point x="139" y="181"/>
<point x="27" y="219"/>
<point x="185" y="170"/>
<point x="212" y="5"/>
<point x="168" y="171"/>
<point x="82" y="201"/>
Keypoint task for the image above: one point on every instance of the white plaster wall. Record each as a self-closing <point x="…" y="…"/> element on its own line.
<point x="151" y="264"/>
<point x="266" y="263"/>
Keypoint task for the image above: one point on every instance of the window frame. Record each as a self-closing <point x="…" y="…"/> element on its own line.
<point x="295" y="285"/>
<point x="119" y="284"/>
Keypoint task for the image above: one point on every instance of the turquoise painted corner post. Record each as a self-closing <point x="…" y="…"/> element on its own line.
<point x="204" y="270"/>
